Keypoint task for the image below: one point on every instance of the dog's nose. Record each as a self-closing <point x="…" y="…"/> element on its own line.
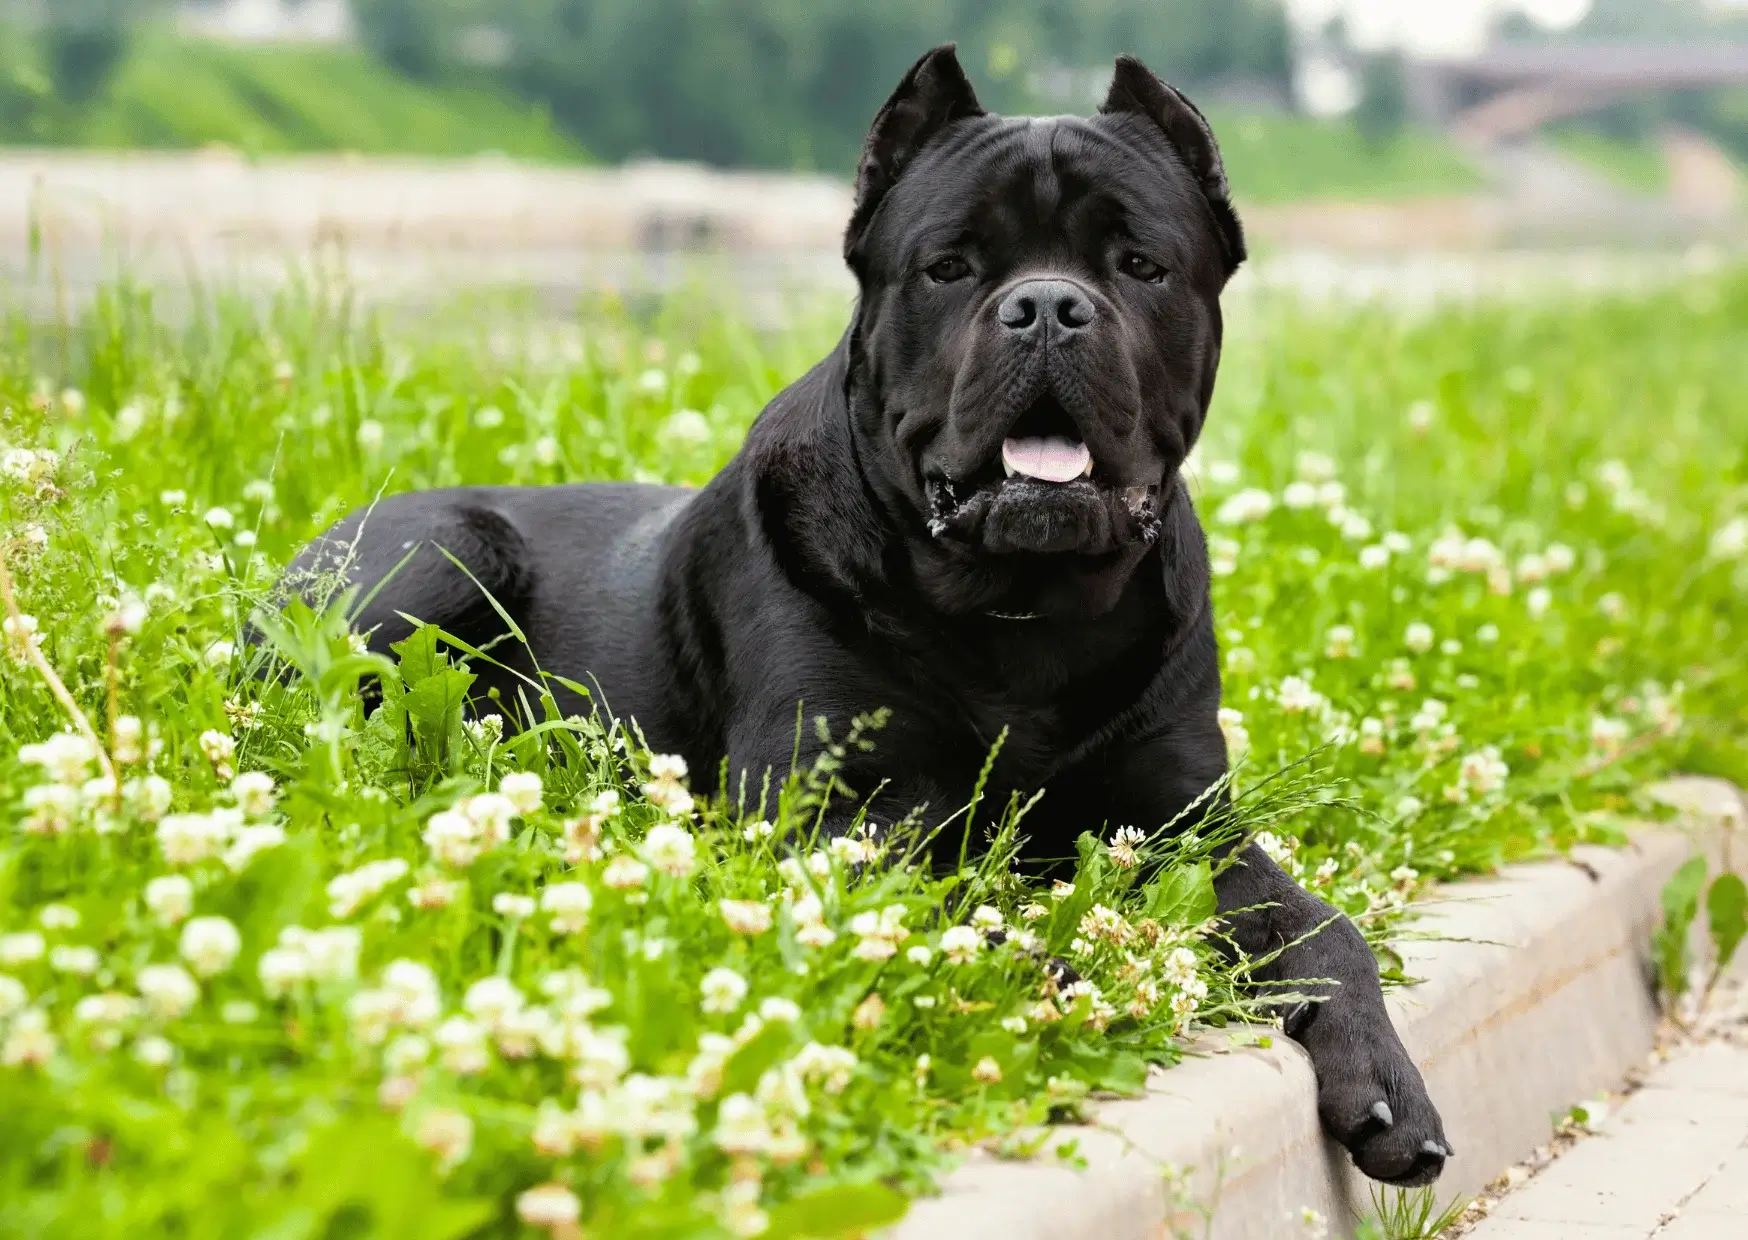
<point x="1040" y="307"/>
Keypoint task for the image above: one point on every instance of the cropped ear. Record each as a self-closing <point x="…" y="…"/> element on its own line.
<point x="933" y="95"/>
<point x="1135" y="89"/>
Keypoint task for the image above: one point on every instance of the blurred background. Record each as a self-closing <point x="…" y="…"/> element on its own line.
<point x="1395" y="147"/>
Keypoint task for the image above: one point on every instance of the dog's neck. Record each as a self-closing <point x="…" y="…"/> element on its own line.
<point x="862" y="550"/>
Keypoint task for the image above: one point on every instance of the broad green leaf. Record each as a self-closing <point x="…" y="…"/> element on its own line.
<point x="1727" y="909"/>
<point x="841" y="1210"/>
<point x="751" y="1061"/>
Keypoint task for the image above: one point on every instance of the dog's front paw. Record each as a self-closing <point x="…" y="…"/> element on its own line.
<point x="1372" y="1099"/>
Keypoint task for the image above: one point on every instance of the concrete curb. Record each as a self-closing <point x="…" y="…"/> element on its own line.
<point x="1538" y="995"/>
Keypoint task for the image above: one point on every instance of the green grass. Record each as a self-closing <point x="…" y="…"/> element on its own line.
<point x="176" y="93"/>
<point x="1283" y="158"/>
<point x="1631" y="165"/>
<point x="1581" y="636"/>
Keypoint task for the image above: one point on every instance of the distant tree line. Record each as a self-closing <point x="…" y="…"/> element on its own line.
<point x="793" y="83"/>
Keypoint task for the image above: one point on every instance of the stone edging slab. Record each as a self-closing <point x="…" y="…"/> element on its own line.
<point x="1537" y="995"/>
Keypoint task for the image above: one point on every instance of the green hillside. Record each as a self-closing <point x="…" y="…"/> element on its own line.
<point x="1280" y="157"/>
<point x="177" y="93"/>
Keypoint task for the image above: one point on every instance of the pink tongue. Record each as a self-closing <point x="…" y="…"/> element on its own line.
<point x="1049" y="459"/>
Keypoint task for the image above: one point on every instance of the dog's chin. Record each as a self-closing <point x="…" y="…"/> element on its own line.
<point x="1020" y="515"/>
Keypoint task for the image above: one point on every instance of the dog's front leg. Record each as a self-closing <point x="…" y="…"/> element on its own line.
<point x="1369" y="1093"/>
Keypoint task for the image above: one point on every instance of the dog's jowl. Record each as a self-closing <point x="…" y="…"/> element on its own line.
<point x="970" y="514"/>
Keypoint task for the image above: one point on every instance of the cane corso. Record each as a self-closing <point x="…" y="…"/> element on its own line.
<point x="970" y="513"/>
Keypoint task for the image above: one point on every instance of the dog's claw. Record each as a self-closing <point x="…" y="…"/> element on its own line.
<point x="1436" y="1150"/>
<point x="1381" y="1112"/>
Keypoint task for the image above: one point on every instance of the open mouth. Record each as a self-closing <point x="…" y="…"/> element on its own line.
<point x="1046" y="446"/>
<point x="1046" y="499"/>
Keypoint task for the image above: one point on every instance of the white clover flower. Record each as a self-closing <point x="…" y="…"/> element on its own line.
<point x="1297" y="697"/>
<point x="1559" y="558"/>
<point x="1121" y="849"/>
<point x="210" y="944"/>
<point x="78" y="961"/>
<point x="1233" y="729"/>
<point x="723" y="991"/>
<point x="447" y="1134"/>
<point x="1418" y="637"/>
<point x="54" y="808"/>
<point x="1482" y="772"/>
<point x="919" y="955"/>
<point x="850" y="851"/>
<point x="1374" y="557"/>
<point x="282" y="969"/>
<point x="65" y="757"/>
<point x="453" y="838"/>
<point x="625" y="873"/>
<point x="148" y="796"/>
<point x="461" y="1046"/>
<point x="218" y="518"/>
<point x="1299" y="495"/>
<point x="669" y="767"/>
<point x="187" y="839"/>
<point x="1608" y="735"/>
<point x="513" y="906"/>
<point x="831" y="1067"/>
<point x="987" y="1071"/>
<point x="370" y="436"/>
<point x="349" y="892"/>
<point x="1355" y="527"/>
<point x="169" y="899"/>
<point x="961" y="943"/>
<point x="779" y="1011"/>
<point x="21" y="948"/>
<point x="247" y="842"/>
<point x="109" y="1008"/>
<point x="551" y="1206"/>
<point x="670" y="849"/>
<point x="30" y="1043"/>
<point x="749" y="917"/>
<point x="1314" y="466"/>
<point x="168" y="990"/>
<point x="1339" y="642"/>
<point x="20" y="634"/>
<point x="878" y="934"/>
<point x="523" y="790"/>
<point x="332" y="953"/>
<point x="741" y="1126"/>
<point x="1612" y="605"/>
<point x="1244" y="507"/>
<point x="686" y="428"/>
<point x="1538" y="601"/>
<point x="219" y="749"/>
<point x="254" y="793"/>
<point x="14" y="998"/>
<point x="568" y="904"/>
<point x="491" y="814"/>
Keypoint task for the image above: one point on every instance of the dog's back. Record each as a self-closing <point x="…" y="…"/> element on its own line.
<point x="576" y="568"/>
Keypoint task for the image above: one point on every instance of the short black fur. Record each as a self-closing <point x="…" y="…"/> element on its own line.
<point x="866" y="548"/>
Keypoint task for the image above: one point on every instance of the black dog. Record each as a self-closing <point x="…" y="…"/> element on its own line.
<point x="970" y="513"/>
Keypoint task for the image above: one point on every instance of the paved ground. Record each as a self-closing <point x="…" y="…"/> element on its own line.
<point x="1669" y="1161"/>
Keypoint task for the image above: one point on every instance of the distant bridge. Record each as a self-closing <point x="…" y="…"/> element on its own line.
<point x="1510" y="90"/>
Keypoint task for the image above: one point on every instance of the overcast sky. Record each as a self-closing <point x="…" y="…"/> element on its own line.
<point x="1431" y="27"/>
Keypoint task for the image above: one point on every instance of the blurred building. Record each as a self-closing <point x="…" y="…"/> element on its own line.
<point x="268" y="21"/>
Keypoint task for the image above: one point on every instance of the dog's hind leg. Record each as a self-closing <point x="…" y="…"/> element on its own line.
<point x="432" y="559"/>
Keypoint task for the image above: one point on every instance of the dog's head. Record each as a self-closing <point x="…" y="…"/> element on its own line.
<point x="1038" y="330"/>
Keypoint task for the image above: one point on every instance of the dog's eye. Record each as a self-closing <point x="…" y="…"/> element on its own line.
<point x="1143" y="269"/>
<point x="946" y="270"/>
